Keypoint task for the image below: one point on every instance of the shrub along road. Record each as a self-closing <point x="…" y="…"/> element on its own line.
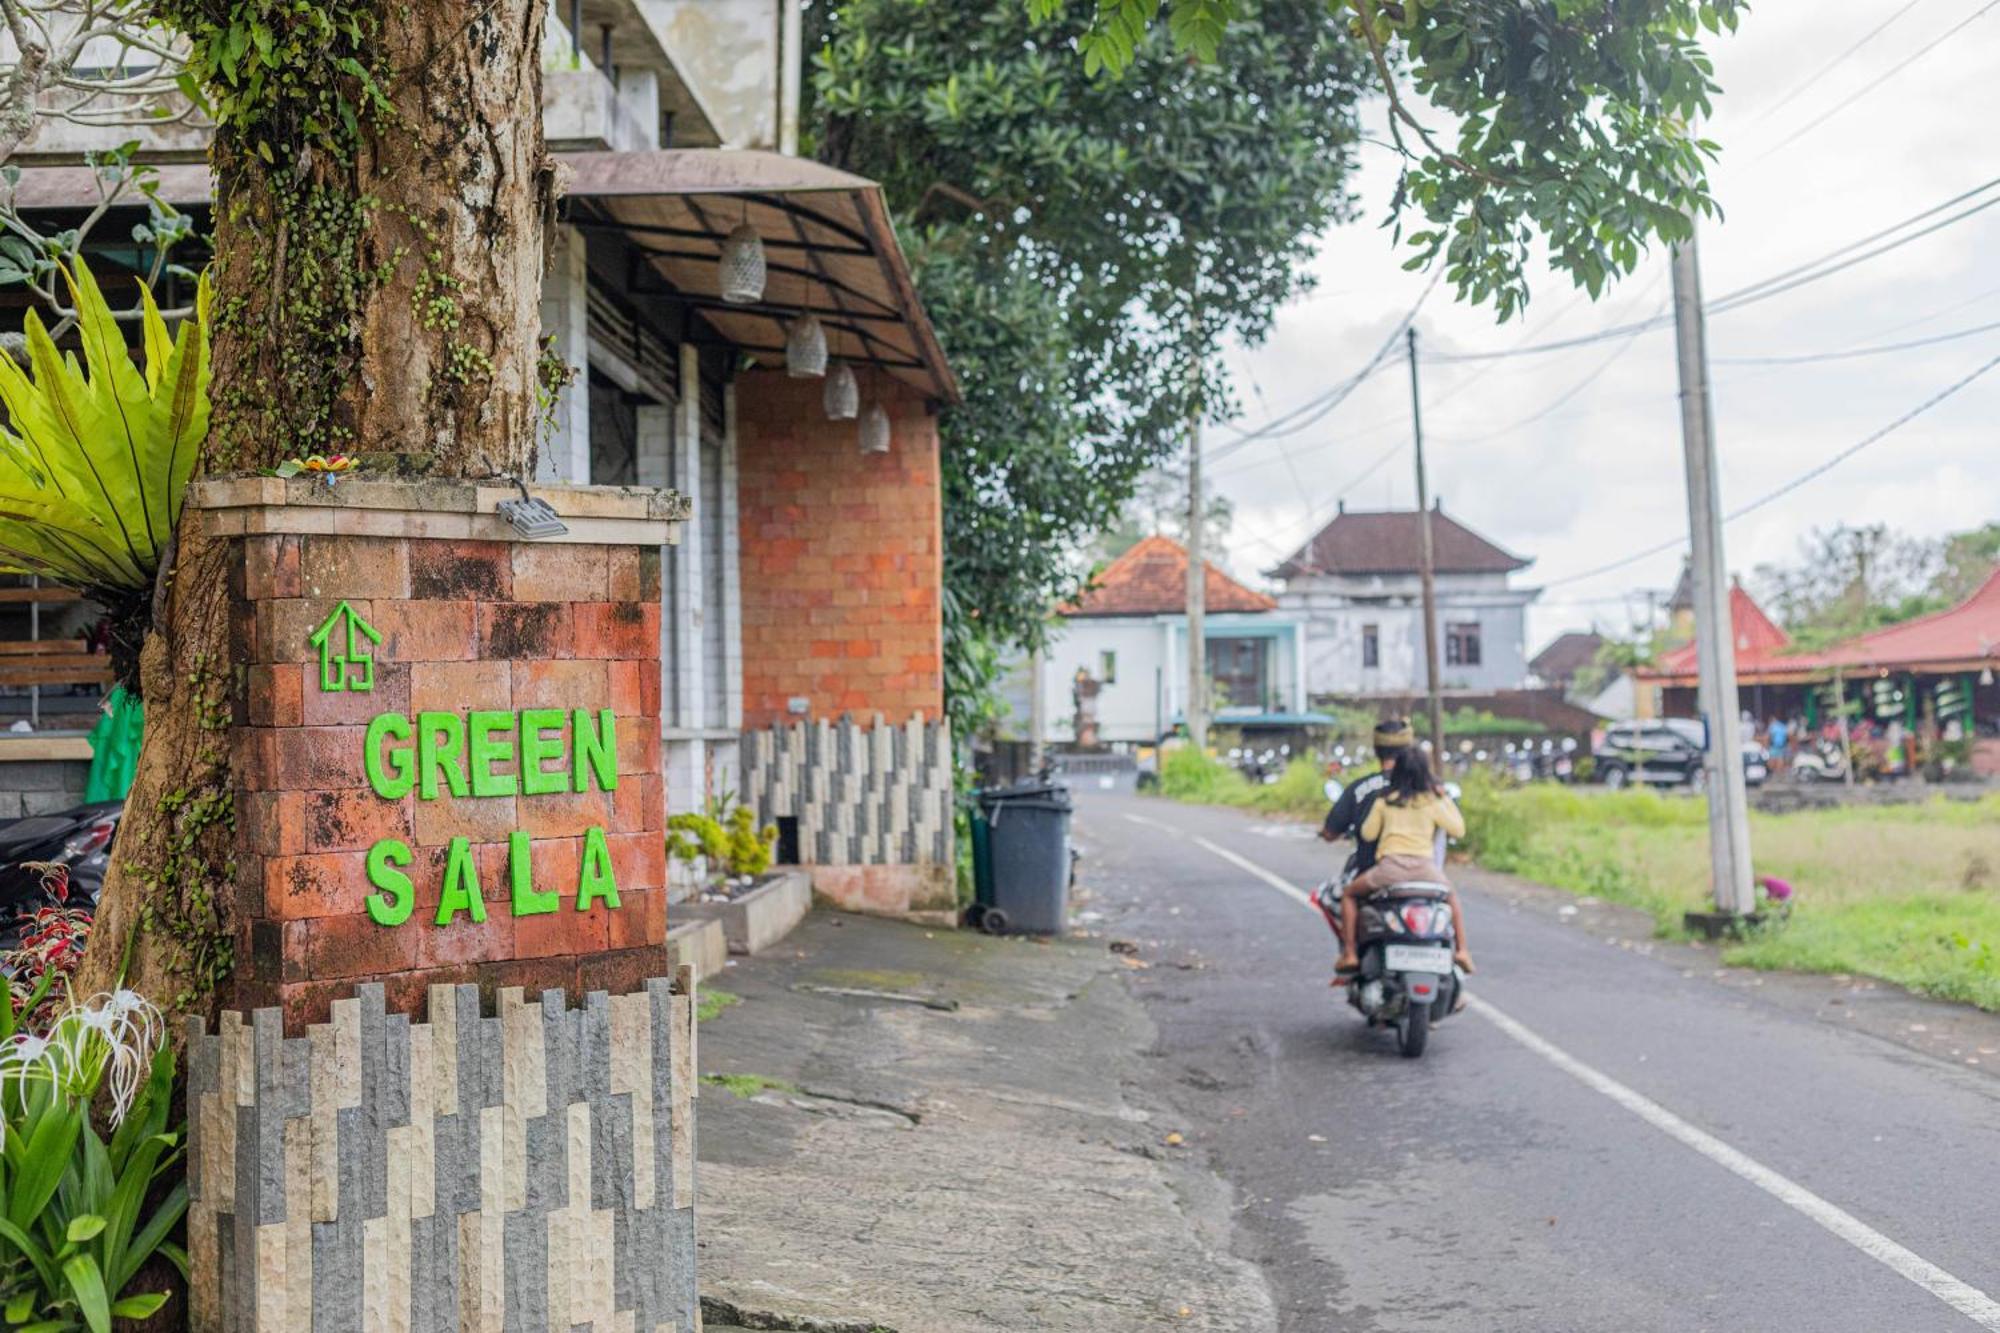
<point x="1626" y="1137"/>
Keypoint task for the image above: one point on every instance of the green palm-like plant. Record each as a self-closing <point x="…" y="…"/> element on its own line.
<point x="95" y="456"/>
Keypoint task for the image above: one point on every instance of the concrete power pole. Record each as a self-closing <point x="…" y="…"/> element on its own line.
<point x="1714" y="635"/>
<point x="1426" y="567"/>
<point x="1197" y="592"/>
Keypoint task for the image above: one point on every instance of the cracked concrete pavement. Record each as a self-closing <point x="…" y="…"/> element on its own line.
<point x="986" y="1160"/>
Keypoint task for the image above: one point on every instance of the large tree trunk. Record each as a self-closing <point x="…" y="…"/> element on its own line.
<point x="377" y="292"/>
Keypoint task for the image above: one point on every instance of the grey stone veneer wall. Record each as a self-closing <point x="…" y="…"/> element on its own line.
<point x="878" y="795"/>
<point x="41" y="786"/>
<point x="530" y="1170"/>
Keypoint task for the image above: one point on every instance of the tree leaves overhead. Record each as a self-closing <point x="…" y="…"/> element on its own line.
<point x="1082" y="245"/>
<point x="1567" y="121"/>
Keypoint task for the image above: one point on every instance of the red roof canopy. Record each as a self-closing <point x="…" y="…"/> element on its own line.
<point x="1966" y="637"/>
<point x="1759" y="642"/>
<point x="1151" y="579"/>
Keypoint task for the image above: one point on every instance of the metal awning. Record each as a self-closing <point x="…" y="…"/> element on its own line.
<point x="829" y="250"/>
<point x="829" y="246"/>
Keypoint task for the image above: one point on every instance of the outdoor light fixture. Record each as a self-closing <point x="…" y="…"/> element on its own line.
<point x="805" y="349"/>
<point x="742" y="279"/>
<point x="1986" y="676"/>
<point x="531" y="516"/>
<point x="843" y="395"/>
<point x="875" y="430"/>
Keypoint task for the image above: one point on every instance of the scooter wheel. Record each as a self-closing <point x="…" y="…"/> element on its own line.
<point x="993" y="921"/>
<point x="1413" y="1030"/>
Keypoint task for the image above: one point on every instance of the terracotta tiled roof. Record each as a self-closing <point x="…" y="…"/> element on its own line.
<point x="1387" y="542"/>
<point x="1967" y="634"/>
<point x="1151" y="579"/>
<point x="1759" y="641"/>
<point x="1568" y="654"/>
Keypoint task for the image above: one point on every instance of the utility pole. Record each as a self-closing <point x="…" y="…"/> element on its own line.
<point x="1197" y="589"/>
<point x="1038" y="709"/>
<point x="1714" y="636"/>
<point x="1426" y="566"/>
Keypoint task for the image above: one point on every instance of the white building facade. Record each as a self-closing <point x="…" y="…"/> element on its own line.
<point x="1356" y="588"/>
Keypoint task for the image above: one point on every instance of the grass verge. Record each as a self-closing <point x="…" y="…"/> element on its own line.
<point x="708" y="1002"/>
<point x="1908" y="893"/>
<point x="747" y="1086"/>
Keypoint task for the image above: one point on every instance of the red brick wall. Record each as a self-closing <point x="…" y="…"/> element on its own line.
<point x="842" y="553"/>
<point x="465" y="625"/>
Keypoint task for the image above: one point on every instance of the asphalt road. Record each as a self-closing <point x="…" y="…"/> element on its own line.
<point x="1607" y="1140"/>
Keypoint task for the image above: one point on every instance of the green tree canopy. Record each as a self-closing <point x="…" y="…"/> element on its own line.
<point x="1570" y="121"/>
<point x="1081" y="244"/>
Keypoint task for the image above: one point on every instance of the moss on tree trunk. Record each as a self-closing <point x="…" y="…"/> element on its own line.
<point x="379" y="215"/>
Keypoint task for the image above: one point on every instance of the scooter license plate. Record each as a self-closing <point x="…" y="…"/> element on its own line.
<point x="1416" y="958"/>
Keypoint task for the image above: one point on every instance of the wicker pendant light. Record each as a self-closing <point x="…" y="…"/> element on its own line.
<point x="805" y="349"/>
<point x="842" y="396"/>
<point x="742" y="275"/>
<point x="875" y="430"/>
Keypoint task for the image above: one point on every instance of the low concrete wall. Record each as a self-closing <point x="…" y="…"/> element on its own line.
<point x="40" y="786"/>
<point x="533" y="1169"/>
<point x="760" y="918"/>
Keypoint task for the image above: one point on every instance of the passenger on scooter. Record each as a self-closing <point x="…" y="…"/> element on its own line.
<point x="1403" y="824"/>
<point x="1344" y="820"/>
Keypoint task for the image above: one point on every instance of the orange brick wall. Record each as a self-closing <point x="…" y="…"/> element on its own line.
<point x="842" y="554"/>
<point x="465" y="625"/>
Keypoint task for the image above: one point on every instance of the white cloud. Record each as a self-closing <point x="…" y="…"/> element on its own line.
<point x="1600" y="475"/>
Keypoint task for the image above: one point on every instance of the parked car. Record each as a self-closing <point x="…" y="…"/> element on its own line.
<point x="1665" y="753"/>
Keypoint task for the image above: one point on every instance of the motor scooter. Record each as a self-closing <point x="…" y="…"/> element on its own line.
<point x="71" y="848"/>
<point x="1823" y="761"/>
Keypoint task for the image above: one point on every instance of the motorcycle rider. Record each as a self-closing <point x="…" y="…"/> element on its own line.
<point x="1392" y="736"/>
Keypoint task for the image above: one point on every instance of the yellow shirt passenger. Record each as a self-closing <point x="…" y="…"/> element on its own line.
<point x="1410" y="829"/>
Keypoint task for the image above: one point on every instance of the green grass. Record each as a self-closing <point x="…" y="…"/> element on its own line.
<point x="1908" y="893"/>
<point x="709" y="1002"/>
<point x="747" y="1086"/>
<point x="1188" y="775"/>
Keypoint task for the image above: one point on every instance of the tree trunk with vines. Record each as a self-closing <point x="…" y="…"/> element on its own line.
<point x="378" y="262"/>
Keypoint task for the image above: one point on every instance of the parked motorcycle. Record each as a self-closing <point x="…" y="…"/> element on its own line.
<point x="1821" y="762"/>
<point x="71" y="847"/>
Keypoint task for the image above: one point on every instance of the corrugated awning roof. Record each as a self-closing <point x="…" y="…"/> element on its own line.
<point x="829" y="246"/>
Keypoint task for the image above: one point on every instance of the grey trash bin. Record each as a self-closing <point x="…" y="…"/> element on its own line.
<point x="1028" y="841"/>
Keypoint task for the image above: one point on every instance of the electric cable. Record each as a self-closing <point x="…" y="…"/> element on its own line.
<point x="1810" y="474"/>
<point x="1833" y="64"/>
<point x="1880" y="79"/>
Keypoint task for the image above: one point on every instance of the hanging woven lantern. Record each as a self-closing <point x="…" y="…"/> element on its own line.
<point x="875" y="430"/>
<point x="742" y="277"/>
<point x="805" y="349"/>
<point x="843" y="395"/>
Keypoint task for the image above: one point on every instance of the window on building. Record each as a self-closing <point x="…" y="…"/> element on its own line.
<point x="1371" y="645"/>
<point x="1107" y="668"/>
<point x="1461" y="644"/>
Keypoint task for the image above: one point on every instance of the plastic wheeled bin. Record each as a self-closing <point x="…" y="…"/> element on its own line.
<point x="1027" y="860"/>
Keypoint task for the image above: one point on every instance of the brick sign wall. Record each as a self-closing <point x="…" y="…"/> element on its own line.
<point x="448" y="749"/>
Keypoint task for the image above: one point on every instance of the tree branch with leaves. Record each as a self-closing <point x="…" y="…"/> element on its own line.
<point x="1571" y="122"/>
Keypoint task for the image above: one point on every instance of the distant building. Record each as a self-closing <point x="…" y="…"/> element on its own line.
<point x="1566" y="655"/>
<point x="1127" y="637"/>
<point x="1356" y="586"/>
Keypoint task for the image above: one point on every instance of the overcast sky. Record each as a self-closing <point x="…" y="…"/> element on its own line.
<point x="1601" y="476"/>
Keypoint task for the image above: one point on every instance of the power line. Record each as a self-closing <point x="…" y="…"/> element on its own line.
<point x="1775" y="285"/>
<point x="1834" y="63"/>
<point x="1810" y="474"/>
<point x="1881" y="79"/>
<point x="1323" y="404"/>
<point x="1590" y="378"/>
<point x="1877" y="350"/>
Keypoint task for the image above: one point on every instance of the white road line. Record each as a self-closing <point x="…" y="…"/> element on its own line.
<point x="1968" y="1300"/>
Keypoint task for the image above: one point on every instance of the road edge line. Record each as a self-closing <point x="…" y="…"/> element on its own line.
<point x="1961" y="1296"/>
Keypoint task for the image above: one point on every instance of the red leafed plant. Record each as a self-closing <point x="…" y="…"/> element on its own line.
<point x="51" y="946"/>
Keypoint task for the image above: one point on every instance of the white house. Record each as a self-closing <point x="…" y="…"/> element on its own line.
<point x="1355" y="586"/>
<point x="1127" y="635"/>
